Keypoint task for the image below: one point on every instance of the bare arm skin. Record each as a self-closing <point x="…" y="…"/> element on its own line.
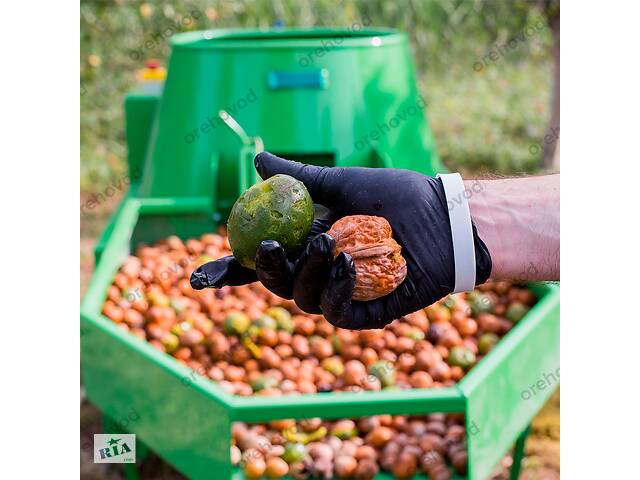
<point x="519" y="220"/>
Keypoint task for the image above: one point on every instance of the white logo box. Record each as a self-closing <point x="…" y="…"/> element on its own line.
<point x="114" y="448"/>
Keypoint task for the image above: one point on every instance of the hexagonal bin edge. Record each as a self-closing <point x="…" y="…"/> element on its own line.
<point x="498" y="405"/>
<point x="187" y="418"/>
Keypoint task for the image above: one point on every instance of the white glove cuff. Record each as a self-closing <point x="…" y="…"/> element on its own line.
<point x="464" y="253"/>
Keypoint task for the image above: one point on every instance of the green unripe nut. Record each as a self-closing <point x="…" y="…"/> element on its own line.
<point x="336" y="343"/>
<point x="282" y="317"/>
<point x="486" y="342"/>
<point x="280" y="209"/>
<point x="265" y="322"/>
<point x="480" y="303"/>
<point x="179" y="328"/>
<point x="170" y="342"/>
<point x="450" y="301"/>
<point x="333" y="365"/>
<point x="416" y="334"/>
<point x="384" y="371"/>
<point x="516" y="311"/>
<point x="294" y="452"/>
<point x="461" y="357"/>
<point x="263" y="382"/>
<point x="236" y="323"/>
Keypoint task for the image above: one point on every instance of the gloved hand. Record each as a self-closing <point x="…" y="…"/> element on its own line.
<point x="415" y="206"/>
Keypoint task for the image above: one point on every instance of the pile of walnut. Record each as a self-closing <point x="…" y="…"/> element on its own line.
<point x="252" y="342"/>
<point x="357" y="448"/>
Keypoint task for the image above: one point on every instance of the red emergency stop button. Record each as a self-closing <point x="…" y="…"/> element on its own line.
<point x="153" y="71"/>
<point x="152" y="63"/>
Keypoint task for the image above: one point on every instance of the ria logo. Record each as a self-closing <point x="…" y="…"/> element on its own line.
<point x="117" y="448"/>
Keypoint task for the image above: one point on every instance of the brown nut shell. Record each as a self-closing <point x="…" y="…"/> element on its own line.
<point x="380" y="267"/>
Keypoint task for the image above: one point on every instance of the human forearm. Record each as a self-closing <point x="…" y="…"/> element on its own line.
<point x="519" y="220"/>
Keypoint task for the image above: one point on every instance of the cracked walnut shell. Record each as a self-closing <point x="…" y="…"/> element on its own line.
<point x="380" y="267"/>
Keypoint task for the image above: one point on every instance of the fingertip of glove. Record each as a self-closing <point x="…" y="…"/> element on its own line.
<point x="258" y="162"/>
<point x="343" y="267"/>
<point x="323" y="244"/>
<point x="269" y="253"/>
<point x="199" y="279"/>
<point x="269" y="246"/>
<point x="336" y="297"/>
<point x="265" y="164"/>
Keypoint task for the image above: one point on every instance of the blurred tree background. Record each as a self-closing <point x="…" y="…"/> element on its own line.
<point x="492" y="118"/>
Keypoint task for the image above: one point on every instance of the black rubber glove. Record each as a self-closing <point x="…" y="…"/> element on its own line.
<point x="415" y="206"/>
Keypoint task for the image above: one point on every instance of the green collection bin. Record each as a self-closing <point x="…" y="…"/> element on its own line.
<point x="320" y="108"/>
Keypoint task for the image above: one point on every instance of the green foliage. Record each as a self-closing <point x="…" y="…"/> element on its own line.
<point x="489" y="121"/>
<point x="484" y="120"/>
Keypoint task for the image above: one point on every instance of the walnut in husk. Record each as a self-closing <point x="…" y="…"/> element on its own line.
<point x="380" y="267"/>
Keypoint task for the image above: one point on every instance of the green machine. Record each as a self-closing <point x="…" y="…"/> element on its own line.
<point x="322" y="96"/>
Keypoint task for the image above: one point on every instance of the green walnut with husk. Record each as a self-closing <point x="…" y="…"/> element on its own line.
<point x="333" y="365"/>
<point x="179" y="328"/>
<point x="416" y="334"/>
<point x="279" y="208"/>
<point x="263" y="382"/>
<point x="336" y="343"/>
<point x="170" y="342"/>
<point x="480" y="303"/>
<point x="486" y="342"/>
<point x="236" y="323"/>
<point x="516" y="312"/>
<point x="283" y="318"/>
<point x="294" y="452"/>
<point x="461" y="357"/>
<point x="265" y="321"/>
<point x="383" y="371"/>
